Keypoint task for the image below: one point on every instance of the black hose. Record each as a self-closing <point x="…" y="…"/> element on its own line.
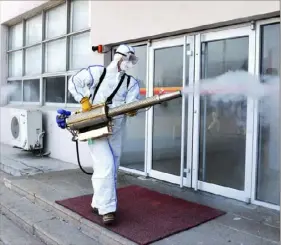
<point x="78" y="159"/>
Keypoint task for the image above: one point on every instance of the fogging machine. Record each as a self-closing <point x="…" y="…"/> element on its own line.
<point x="98" y="122"/>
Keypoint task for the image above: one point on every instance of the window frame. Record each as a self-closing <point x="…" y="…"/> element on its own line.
<point x="67" y="72"/>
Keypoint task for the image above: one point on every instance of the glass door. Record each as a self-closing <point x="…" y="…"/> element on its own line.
<point x="223" y="131"/>
<point x="167" y="143"/>
<point x="133" y="156"/>
<point x="266" y="172"/>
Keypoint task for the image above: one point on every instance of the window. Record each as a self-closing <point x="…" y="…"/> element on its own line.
<point x="55" y="89"/>
<point x="15" y="89"/>
<point x="166" y="139"/>
<point x="16" y="37"/>
<point x="56" y="22"/>
<point x="268" y="171"/>
<point x="218" y="57"/>
<point x="70" y="98"/>
<point x="270" y="49"/>
<point x="55" y="56"/>
<point x="134" y="142"/>
<point x="80" y="15"/>
<point x="33" y="57"/>
<point x="31" y="90"/>
<point x="15" y="64"/>
<point x="80" y="51"/>
<point x="33" y="32"/>
<point x="46" y="49"/>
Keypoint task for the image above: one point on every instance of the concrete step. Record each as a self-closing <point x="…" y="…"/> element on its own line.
<point x="40" y="222"/>
<point x="36" y="194"/>
<point x="18" y="162"/>
<point x="11" y="234"/>
<point x="12" y="167"/>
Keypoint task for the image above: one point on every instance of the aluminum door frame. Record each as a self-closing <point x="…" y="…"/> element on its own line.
<point x="186" y="124"/>
<point x="245" y="195"/>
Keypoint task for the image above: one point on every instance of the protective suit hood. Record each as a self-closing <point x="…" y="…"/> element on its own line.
<point x="127" y="54"/>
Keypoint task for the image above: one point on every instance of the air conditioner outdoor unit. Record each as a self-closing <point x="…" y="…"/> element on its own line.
<point x="26" y="129"/>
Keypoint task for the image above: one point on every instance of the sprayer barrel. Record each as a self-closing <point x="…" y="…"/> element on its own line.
<point x="151" y="101"/>
<point x="98" y="115"/>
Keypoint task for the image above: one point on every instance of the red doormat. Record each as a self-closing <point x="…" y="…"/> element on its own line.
<point x="145" y="216"/>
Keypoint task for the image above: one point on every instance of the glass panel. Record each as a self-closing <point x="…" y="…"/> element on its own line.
<point x="56" y="20"/>
<point x="55" y="56"/>
<point x="223" y="125"/>
<point x="31" y="90"/>
<point x="33" y="30"/>
<point x="134" y="140"/>
<point x="79" y="15"/>
<point x="168" y="70"/>
<point x="16" y="36"/>
<point x="70" y="98"/>
<point x="33" y="60"/>
<point x="268" y="172"/>
<point x="80" y="54"/>
<point x="16" y="90"/>
<point x="55" y="89"/>
<point x="185" y="133"/>
<point x="15" y="64"/>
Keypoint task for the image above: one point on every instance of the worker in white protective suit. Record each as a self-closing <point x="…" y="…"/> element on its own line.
<point x="94" y="85"/>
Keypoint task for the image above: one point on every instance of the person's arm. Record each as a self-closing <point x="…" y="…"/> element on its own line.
<point x="79" y="85"/>
<point x="133" y="94"/>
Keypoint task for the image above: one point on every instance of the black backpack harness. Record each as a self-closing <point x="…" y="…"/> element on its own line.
<point x="109" y="99"/>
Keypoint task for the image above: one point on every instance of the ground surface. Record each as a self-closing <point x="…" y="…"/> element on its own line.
<point x="242" y="225"/>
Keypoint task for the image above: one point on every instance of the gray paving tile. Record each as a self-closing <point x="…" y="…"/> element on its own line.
<point x="11" y="234"/>
<point x="250" y="226"/>
<point x="212" y="233"/>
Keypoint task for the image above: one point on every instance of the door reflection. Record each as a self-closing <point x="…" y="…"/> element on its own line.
<point x="223" y="124"/>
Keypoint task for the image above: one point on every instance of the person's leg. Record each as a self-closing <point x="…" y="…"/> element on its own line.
<point x="115" y="141"/>
<point x="91" y="149"/>
<point x="115" y="145"/>
<point x="103" y="178"/>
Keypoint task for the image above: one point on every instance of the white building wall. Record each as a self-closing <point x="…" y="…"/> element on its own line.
<point x="113" y="22"/>
<point x="3" y="56"/>
<point x="116" y="21"/>
<point x="12" y="9"/>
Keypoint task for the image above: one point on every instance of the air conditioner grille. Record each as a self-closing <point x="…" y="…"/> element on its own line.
<point x="15" y="127"/>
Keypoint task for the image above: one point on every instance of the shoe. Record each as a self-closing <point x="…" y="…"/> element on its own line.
<point x="95" y="210"/>
<point x="108" y="219"/>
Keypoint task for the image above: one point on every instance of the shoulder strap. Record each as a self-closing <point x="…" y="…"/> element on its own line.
<point x="109" y="99"/>
<point x="128" y="81"/>
<point x="100" y="81"/>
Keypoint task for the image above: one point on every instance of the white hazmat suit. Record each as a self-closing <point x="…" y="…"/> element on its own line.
<point x="106" y="152"/>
